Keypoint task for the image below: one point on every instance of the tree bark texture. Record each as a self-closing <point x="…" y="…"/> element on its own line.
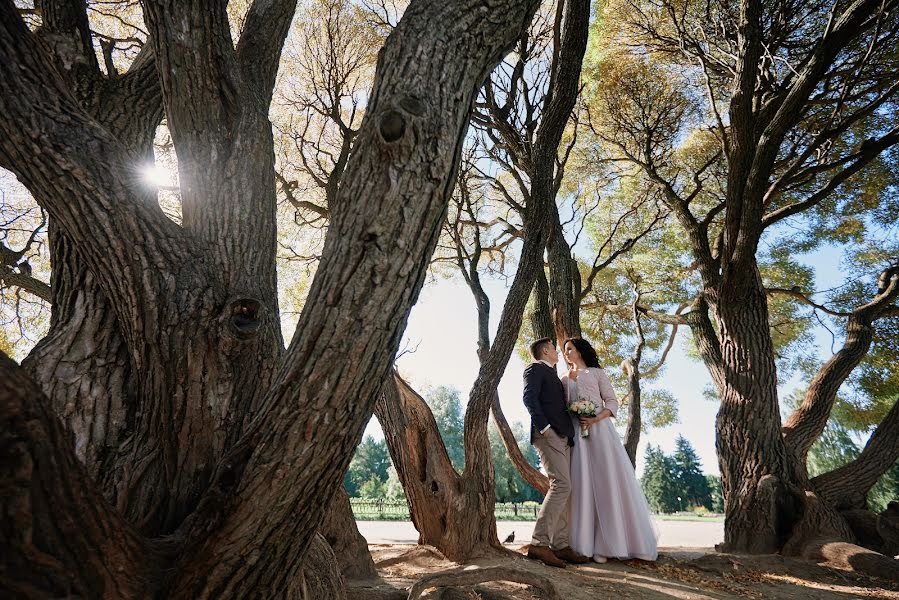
<point x="370" y="274"/>
<point x="196" y="305"/>
<point x="541" y="318"/>
<point x="177" y="319"/>
<point x="769" y="502"/>
<point x="60" y="537"/>
<point x="350" y="549"/>
<point x="422" y="463"/>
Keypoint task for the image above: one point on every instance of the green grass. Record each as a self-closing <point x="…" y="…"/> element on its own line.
<point x="392" y="510"/>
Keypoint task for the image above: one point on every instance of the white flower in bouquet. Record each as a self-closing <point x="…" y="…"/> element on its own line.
<point x="583" y="408"/>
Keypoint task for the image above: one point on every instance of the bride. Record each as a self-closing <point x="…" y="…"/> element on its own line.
<point x="609" y="513"/>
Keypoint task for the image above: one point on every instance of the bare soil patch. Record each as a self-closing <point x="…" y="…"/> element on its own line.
<point x="680" y="573"/>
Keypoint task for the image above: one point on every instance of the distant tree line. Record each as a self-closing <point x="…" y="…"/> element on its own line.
<point x="676" y="482"/>
<point x="372" y="475"/>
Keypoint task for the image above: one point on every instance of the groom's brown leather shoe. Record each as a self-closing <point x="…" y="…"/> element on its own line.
<point x="569" y="555"/>
<point x="546" y="556"/>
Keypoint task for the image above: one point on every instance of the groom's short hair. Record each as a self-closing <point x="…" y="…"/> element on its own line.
<point x="537" y="347"/>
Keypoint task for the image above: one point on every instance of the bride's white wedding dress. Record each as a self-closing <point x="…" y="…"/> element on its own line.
<point x="609" y="512"/>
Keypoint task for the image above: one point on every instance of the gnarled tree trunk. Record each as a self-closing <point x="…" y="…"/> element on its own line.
<point x="196" y="304"/>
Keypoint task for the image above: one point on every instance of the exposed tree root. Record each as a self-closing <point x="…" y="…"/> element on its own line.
<point x="321" y="572"/>
<point x="843" y="555"/>
<point x="873" y="531"/>
<point x="471" y="576"/>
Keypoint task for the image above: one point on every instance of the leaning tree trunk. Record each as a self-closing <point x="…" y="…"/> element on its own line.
<point x="350" y="549"/>
<point x="541" y="317"/>
<point x="632" y="370"/>
<point x="422" y="463"/>
<point x="564" y="282"/>
<point x="634" y="418"/>
<point x="531" y="475"/>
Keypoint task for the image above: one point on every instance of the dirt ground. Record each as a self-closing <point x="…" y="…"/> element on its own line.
<point x="680" y="573"/>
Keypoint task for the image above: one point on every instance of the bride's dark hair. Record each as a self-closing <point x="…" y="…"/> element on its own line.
<point x="585" y="350"/>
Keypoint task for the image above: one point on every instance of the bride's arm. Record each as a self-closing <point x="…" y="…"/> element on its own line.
<point x="606" y="392"/>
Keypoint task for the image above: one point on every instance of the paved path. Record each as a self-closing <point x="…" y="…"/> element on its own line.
<point x="685" y="534"/>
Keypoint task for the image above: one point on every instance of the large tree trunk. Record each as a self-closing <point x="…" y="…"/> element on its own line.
<point x="769" y="502"/>
<point x="368" y="280"/>
<point x="196" y="305"/>
<point x="422" y="463"/>
<point x="60" y="537"/>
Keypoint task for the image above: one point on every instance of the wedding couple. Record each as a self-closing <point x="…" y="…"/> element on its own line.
<point x="594" y="508"/>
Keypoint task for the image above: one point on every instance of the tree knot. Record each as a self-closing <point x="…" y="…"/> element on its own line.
<point x="245" y="317"/>
<point x="392" y="126"/>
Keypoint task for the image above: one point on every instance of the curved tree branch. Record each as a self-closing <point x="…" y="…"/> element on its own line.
<point x="848" y="486"/>
<point x="808" y="421"/>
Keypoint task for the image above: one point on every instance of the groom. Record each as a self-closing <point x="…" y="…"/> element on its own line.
<point x="552" y="433"/>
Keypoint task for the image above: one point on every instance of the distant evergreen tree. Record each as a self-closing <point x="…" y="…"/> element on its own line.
<point x="717" y="495"/>
<point x="660" y="483"/>
<point x="370" y="463"/>
<point x="693" y="487"/>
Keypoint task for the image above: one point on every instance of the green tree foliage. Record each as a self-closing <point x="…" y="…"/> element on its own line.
<point x="694" y="489"/>
<point x="660" y="481"/>
<point x="510" y="487"/>
<point x="368" y="469"/>
<point x="717" y="494"/>
<point x="669" y="477"/>
<point x="446" y="405"/>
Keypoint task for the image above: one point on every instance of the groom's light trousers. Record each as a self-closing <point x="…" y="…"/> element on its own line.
<point x="551" y="528"/>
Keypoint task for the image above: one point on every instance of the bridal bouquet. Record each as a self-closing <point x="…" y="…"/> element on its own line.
<point x="583" y="408"/>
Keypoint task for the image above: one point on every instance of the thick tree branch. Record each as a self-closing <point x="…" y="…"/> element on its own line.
<point x="32" y="285"/>
<point x="808" y="421"/>
<point x="75" y="167"/>
<point x="66" y="30"/>
<point x="223" y="140"/>
<point x="261" y="42"/>
<point x="848" y="486"/>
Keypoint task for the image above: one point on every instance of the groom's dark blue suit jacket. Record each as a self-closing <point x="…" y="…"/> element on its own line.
<point x="544" y="398"/>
